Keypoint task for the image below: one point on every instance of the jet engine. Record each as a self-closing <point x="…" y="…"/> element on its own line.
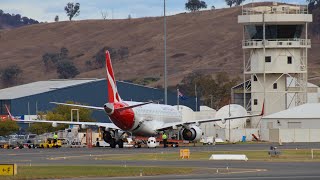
<point x="54" y="124"/>
<point x="108" y="108"/>
<point x="192" y="133"/>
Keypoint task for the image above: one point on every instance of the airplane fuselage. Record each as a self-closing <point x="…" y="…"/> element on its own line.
<point x="144" y="120"/>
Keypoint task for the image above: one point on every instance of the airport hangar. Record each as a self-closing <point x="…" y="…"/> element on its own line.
<point x="28" y="99"/>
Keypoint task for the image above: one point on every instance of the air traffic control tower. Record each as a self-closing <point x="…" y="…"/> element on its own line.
<point x="275" y="56"/>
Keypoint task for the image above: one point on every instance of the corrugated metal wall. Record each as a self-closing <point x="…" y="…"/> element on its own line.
<point x="93" y="93"/>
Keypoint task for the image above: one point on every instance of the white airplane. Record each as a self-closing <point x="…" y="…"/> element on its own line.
<point x="137" y="118"/>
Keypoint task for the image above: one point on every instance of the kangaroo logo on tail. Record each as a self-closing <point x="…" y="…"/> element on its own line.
<point x="113" y="95"/>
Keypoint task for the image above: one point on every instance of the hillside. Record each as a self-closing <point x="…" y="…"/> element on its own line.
<point x="207" y="41"/>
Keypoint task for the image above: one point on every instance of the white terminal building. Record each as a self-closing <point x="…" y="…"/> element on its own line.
<point x="275" y="59"/>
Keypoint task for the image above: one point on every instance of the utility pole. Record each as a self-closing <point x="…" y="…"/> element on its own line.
<point x="165" y="52"/>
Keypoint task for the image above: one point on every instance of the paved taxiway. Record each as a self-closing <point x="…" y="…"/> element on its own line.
<point x="238" y="169"/>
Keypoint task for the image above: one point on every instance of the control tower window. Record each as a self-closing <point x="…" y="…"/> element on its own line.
<point x="289" y="60"/>
<point x="268" y="59"/>
<point x="274" y="31"/>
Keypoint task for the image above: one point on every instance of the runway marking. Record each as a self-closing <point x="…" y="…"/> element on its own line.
<point x="69" y="157"/>
<point x="246" y="171"/>
<point x="272" y="177"/>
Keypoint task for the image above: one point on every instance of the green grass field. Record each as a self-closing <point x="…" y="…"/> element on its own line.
<point x="52" y="172"/>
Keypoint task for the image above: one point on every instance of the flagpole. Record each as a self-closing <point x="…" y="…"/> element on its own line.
<point x="195" y="92"/>
<point x="178" y="98"/>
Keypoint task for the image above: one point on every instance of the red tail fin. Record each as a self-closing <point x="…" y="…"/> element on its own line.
<point x="113" y="95"/>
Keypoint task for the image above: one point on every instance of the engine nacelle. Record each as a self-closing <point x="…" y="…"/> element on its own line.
<point x="108" y="108"/>
<point x="193" y="133"/>
<point x="83" y="126"/>
<point x="54" y="124"/>
<point x="223" y="121"/>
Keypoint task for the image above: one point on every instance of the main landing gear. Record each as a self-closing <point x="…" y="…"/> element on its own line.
<point x="113" y="138"/>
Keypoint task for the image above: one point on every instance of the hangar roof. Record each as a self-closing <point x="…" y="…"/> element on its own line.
<point x="305" y="111"/>
<point x="41" y="87"/>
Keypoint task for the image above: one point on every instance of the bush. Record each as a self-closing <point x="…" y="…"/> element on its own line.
<point x="66" y="69"/>
<point x="10" y="74"/>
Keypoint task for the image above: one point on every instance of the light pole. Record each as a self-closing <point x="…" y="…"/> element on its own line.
<point x="211" y="96"/>
<point x="165" y="52"/>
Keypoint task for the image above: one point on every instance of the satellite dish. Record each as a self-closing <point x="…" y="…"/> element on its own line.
<point x="235" y="110"/>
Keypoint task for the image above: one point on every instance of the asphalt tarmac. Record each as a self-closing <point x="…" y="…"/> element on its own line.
<point x="207" y="169"/>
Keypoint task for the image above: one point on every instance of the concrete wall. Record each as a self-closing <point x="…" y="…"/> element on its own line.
<point x="293" y="135"/>
<point x="284" y="123"/>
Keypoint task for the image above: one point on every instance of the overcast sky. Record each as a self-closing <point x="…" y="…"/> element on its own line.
<point x="46" y="10"/>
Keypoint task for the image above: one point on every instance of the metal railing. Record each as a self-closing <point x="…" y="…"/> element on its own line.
<point x="259" y="43"/>
<point x="298" y="9"/>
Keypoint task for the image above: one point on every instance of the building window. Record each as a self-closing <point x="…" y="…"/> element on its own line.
<point x="255" y="78"/>
<point x="268" y="59"/>
<point x="289" y="60"/>
<point x="255" y="102"/>
<point x="275" y="86"/>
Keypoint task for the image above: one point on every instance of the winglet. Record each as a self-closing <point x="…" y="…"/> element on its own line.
<point x="262" y="111"/>
<point x="10" y="115"/>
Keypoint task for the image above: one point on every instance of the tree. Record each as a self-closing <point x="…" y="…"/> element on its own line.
<point x="195" y="5"/>
<point x="219" y="88"/>
<point x="56" y="19"/>
<point x="60" y="113"/>
<point x="104" y="14"/>
<point x="237" y="2"/>
<point x="72" y="10"/>
<point x="313" y="4"/>
<point x="101" y="56"/>
<point x="66" y="69"/>
<point x="8" y="127"/>
<point x="123" y="52"/>
<point x="213" y="7"/>
<point x="229" y="2"/>
<point x="64" y="53"/>
<point x="1" y="12"/>
<point x="314" y="8"/>
<point x="10" y="74"/>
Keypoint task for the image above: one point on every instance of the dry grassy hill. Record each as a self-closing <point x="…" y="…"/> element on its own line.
<point x="207" y="41"/>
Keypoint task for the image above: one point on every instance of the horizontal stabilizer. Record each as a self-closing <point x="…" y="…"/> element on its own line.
<point x="78" y="105"/>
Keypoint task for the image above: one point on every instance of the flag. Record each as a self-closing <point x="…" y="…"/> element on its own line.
<point x="181" y="96"/>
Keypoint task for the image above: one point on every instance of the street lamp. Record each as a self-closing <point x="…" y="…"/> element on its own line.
<point x="165" y="52"/>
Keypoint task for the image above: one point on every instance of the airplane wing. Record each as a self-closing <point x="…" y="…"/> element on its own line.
<point x="101" y="108"/>
<point x="98" y="124"/>
<point x="106" y="125"/>
<point x="198" y="122"/>
<point x="78" y="105"/>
